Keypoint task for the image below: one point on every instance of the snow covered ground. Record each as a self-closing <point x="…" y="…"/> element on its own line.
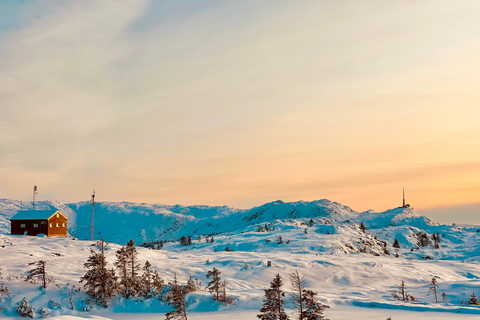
<point x="354" y="272"/>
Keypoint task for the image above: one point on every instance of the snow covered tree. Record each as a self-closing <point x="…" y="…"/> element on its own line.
<point x="444" y="297"/>
<point x="177" y="302"/>
<point x="99" y="281"/>
<point x="146" y="282"/>
<point x="433" y="289"/>
<point x="402" y="295"/>
<point x="215" y="284"/>
<point x="272" y="308"/>
<point x="128" y="261"/>
<point x="362" y="227"/>
<point x="396" y="244"/>
<point x="189" y="240"/>
<point x="38" y="272"/>
<point x="313" y="308"/>
<point x="24" y="309"/>
<point x="44" y="312"/>
<point x="473" y="299"/>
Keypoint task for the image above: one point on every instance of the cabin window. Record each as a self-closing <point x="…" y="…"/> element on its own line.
<point x="51" y="225"/>
<point x="57" y="216"/>
<point x="63" y="224"/>
<point x="57" y="225"/>
<point x="35" y="225"/>
<point x="22" y="225"/>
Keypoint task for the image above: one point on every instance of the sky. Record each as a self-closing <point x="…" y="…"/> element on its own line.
<point x="240" y="103"/>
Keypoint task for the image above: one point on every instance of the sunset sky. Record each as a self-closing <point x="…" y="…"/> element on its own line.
<point x="240" y="103"/>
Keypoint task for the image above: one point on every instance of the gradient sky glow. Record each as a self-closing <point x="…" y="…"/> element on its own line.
<point x="241" y="102"/>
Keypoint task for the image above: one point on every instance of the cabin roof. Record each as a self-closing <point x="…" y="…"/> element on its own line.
<point x="35" y="215"/>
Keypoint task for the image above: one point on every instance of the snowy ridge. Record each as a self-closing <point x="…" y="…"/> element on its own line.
<point x="121" y="221"/>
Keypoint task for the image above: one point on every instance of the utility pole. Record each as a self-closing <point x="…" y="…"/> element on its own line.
<point x="93" y="213"/>
<point x="35" y="191"/>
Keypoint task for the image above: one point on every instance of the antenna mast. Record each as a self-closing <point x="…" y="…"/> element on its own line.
<point x="35" y="191"/>
<point x="404" y="197"/>
<point x="93" y="213"/>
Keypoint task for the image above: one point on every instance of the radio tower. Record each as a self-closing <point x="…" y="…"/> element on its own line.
<point x="404" y="198"/>
<point x="93" y="213"/>
<point x="35" y="191"/>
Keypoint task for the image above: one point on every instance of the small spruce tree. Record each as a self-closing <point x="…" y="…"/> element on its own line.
<point x="24" y="309"/>
<point x="473" y="299"/>
<point x="272" y="308"/>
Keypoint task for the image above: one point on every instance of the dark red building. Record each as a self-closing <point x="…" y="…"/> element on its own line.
<point x="31" y="223"/>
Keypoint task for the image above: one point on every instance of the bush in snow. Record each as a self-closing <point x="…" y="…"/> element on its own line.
<point x="402" y="295"/>
<point x="54" y="305"/>
<point x="24" y="309"/>
<point x="4" y="292"/>
<point x="44" y="312"/>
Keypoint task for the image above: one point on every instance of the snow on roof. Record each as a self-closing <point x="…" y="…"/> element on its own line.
<point x="34" y="215"/>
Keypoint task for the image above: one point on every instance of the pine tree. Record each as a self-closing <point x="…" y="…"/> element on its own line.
<point x="121" y="265"/>
<point x="24" y="309"/>
<point x="433" y="289"/>
<point x="132" y="281"/>
<point x="39" y="271"/>
<point x="178" y="303"/>
<point x="396" y="244"/>
<point x="362" y="227"/>
<point x="99" y="281"/>
<point x="189" y="240"/>
<point x="279" y="240"/>
<point x="272" y="308"/>
<point x="157" y="282"/>
<point x="146" y="288"/>
<point x="215" y="284"/>
<point x="313" y="308"/>
<point x="473" y="299"/>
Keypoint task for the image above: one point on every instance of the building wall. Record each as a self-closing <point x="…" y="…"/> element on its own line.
<point x="31" y="227"/>
<point x="57" y="225"/>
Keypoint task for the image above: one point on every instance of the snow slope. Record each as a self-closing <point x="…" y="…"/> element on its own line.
<point x="354" y="272"/>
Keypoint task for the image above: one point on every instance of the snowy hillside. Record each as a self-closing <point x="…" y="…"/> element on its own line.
<point x="355" y="271"/>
